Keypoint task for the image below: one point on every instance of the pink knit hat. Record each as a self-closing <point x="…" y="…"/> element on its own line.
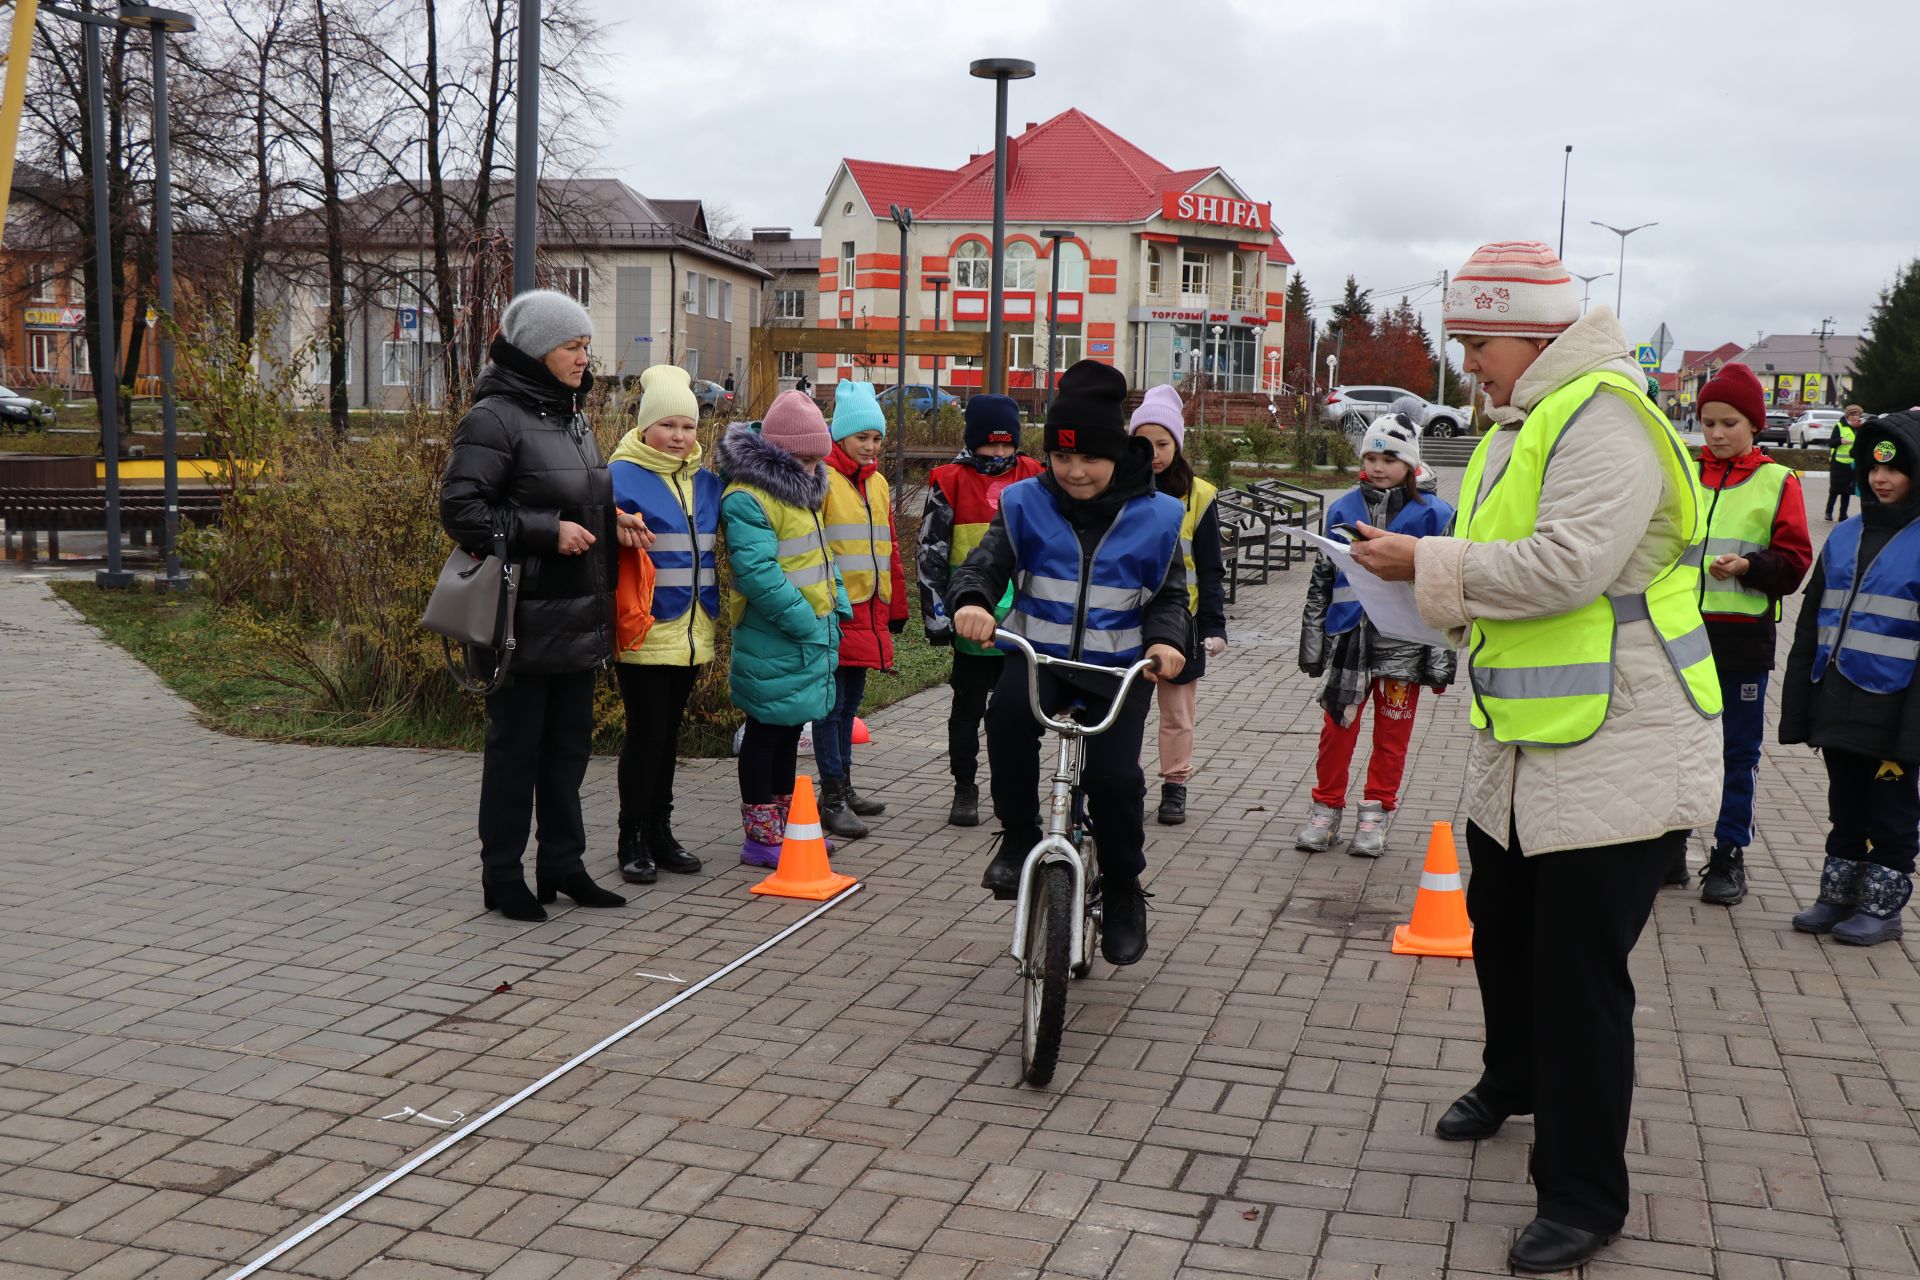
<point x="1161" y="406"/>
<point x="1512" y="288"/>
<point x="794" y="423"/>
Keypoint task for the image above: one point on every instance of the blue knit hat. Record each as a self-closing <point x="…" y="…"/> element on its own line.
<point x="856" y="408"/>
<point x="993" y="419"/>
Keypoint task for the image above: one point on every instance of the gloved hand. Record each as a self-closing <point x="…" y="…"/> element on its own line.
<point x="1214" y="645"/>
<point x="1438" y="689"/>
<point x="896" y="625"/>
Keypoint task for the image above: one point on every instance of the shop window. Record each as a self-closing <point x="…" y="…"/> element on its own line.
<point x="1021" y="266"/>
<point x="971" y="267"/>
<point x="40" y="352"/>
<point x="1153" y="269"/>
<point x="846" y="264"/>
<point x="1073" y="268"/>
<point x="1195" y="271"/>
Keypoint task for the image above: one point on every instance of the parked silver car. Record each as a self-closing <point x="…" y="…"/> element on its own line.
<point x="1356" y="406"/>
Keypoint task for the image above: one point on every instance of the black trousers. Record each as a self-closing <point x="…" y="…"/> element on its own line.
<point x="539" y="739"/>
<point x="1875" y="819"/>
<point x="1551" y="937"/>
<point x="1839" y="486"/>
<point x="768" y="755"/>
<point x="972" y="680"/>
<point x="655" y="700"/>
<point x="1115" y="786"/>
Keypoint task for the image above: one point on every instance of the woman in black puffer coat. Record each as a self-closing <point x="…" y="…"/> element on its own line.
<point x="524" y="460"/>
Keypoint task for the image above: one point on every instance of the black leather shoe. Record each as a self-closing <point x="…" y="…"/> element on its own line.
<point x="1554" y="1246"/>
<point x="1123" y="919"/>
<point x="861" y="805"/>
<point x="669" y="854"/>
<point x="511" y="898"/>
<point x="965" y="811"/>
<point x="1470" y="1118"/>
<point x="1002" y="878"/>
<point x="577" y="885"/>
<point x="636" y="859"/>
<point x="1173" y="804"/>
<point x="660" y="836"/>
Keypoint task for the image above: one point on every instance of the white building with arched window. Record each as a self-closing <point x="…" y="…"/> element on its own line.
<point x="1163" y="272"/>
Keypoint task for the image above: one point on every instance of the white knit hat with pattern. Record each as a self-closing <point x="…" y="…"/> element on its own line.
<point x="1512" y="288"/>
<point x="1395" y="435"/>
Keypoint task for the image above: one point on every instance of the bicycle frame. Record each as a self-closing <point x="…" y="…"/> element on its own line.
<point x="1055" y="846"/>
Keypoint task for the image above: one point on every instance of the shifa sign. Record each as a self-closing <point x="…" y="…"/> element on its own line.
<point x="1223" y="211"/>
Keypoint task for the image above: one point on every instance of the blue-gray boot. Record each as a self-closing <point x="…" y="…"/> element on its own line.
<point x="1839" y="893"/>
<point x="1883" y="893"/>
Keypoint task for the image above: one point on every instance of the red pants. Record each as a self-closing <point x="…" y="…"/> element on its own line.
<point x="1394" y="703"/>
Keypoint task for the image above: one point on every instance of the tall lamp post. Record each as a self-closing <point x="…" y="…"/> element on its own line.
<point x="903" y="219"/>
<point x="163" y="23"/>
<point x="1213" y="371"/>
<point x="1586" y="290"/>
<point x="939" y="283"/>
<point x="526" y="149"/>
<point x="1566" y="165"/>
<point x="998" y="70"/>
<point x="1620" y="279"/>
<point x="1053" y="304"/>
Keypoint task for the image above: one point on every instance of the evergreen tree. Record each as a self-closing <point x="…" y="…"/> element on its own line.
<point x="1886" y="372"/>
<point x="1298" y="352"/>
<point x="1357" y="305"/>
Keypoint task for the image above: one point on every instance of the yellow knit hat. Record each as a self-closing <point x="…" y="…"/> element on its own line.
<point x="666" y="391"/>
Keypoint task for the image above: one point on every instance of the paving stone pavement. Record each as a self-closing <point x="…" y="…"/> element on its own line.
<point x="225" y="961"/>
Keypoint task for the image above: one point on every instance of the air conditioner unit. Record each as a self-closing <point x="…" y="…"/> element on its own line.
<point x="689" y="298"/>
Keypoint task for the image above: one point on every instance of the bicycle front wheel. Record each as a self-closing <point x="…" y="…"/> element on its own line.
<point x="1044" y="990"/>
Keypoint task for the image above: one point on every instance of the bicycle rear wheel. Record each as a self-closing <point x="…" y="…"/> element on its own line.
<point x="1044" y="989"/>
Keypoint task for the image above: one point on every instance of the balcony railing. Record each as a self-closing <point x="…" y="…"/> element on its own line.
<point x="1213" y="299"/>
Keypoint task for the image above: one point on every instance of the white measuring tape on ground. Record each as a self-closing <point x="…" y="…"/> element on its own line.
<point x="474" y="1126"/>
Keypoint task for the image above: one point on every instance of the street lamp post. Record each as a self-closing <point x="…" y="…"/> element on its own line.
<point x="998" y="70"/>
<point x="1586" y="282"/>
<point x="1053" y="304"/>
<point x="938" y="283"/>
<point x="1620" y="280"/>
<point x="903" y="219"/>
<point x="1213" y="371"/>
<point x="1566" y="166"/>
<point x="1256" y="330"/>
<point x="162" y="23"/>
<point x="526" y="148"/>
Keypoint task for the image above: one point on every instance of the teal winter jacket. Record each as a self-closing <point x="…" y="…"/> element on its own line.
<point x="784" y="654"/>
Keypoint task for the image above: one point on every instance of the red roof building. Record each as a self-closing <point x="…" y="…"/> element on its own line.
<point x="1165" y="271"/>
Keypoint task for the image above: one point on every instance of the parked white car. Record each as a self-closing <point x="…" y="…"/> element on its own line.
<point x="1812" y="429"/>
<point x="1354" y="407"/>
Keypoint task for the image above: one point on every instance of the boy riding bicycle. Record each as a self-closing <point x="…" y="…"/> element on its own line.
<point x="1093" y="552"/>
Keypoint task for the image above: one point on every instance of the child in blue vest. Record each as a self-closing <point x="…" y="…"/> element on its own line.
<point x="1849" y="690"/>
<point x="657" y="474"/>
<point x="1093" y="551"/>
<point x="1337" y="639"/>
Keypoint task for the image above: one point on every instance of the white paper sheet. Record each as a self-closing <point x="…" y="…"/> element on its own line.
<point x="1388" y="605"/>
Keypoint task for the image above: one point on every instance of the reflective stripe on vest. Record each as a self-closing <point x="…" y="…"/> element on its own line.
<point x="1740" y="522"/>
<point x="860" y="534"/>
<point x="1844" y="454"/>
<point x="1200" y="495"/>
<point x="1101" y="619"/>
<point x="800" y="546"/>
<point x="1548" y="682"/>
<point x="1415" y="519"/>
<point x="677" y="569"/>
<point x="1870" y="626"/>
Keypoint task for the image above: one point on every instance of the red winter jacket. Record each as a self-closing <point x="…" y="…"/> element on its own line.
<point x="867" y="640"/>
<point x="1742" y="642"/>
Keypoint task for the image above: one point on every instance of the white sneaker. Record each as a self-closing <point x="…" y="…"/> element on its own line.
<point x="1322" y="829"/>
<point x="1371" y="821"/>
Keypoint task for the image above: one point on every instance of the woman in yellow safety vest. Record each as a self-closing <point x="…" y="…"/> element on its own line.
<point x="1572" y="576"/>
<point x="1840" y="475"/>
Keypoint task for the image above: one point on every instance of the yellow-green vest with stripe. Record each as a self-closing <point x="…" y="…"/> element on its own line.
<point x="801" y="551"/>
<point x="1200" y="496"/>
<point x="1740" y="522"/>
<point x="1547" y="682"/>
<point x="860" y="535"/>
<point x="1844" y="454"/>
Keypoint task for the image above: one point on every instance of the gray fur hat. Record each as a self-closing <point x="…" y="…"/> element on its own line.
<point x="541" y="319"/>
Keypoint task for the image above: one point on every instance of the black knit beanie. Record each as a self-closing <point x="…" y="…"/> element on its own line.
<point x="1089" y="412"/>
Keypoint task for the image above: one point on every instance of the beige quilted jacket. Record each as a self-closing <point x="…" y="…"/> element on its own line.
<point x="1606" y="524"/>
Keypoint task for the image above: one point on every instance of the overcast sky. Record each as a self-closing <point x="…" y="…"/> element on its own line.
<point x="1774" y="141"/>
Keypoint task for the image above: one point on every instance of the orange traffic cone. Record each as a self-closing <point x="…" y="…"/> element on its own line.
<point x="803" y="871"/>
<point x="1440" y="926"/>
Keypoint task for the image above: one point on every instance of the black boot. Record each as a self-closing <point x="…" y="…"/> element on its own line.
<point x="1123" y="919"/>
<point x="669" y="854"/>
<point x="1002" y="876"/>
<point x="577" y="885"/>
<point x="966" y="805"/>
<point x="1677" y="873"/>
<point x="860" y="804"/>
<point x="1173" y="804"/>
<point x="836" y="814"/>
<point x="636" y="859"/>
<point x="1725" y="881"/>
<point x="511" y="899"/>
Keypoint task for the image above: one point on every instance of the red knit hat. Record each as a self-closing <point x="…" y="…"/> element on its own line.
<point x="1736" y="386"/>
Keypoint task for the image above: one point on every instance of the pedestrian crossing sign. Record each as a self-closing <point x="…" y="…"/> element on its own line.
<point x="1648" y="355"/>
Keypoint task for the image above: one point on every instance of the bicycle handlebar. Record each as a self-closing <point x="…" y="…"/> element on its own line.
<point x="1036" y="660"/>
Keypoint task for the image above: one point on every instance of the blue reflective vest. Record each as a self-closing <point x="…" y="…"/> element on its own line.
<point x="1415" y="518"/>
<point x="1870" y="624"/>
<point x="1098" y="620"/>
<point x="674" y="544"/>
